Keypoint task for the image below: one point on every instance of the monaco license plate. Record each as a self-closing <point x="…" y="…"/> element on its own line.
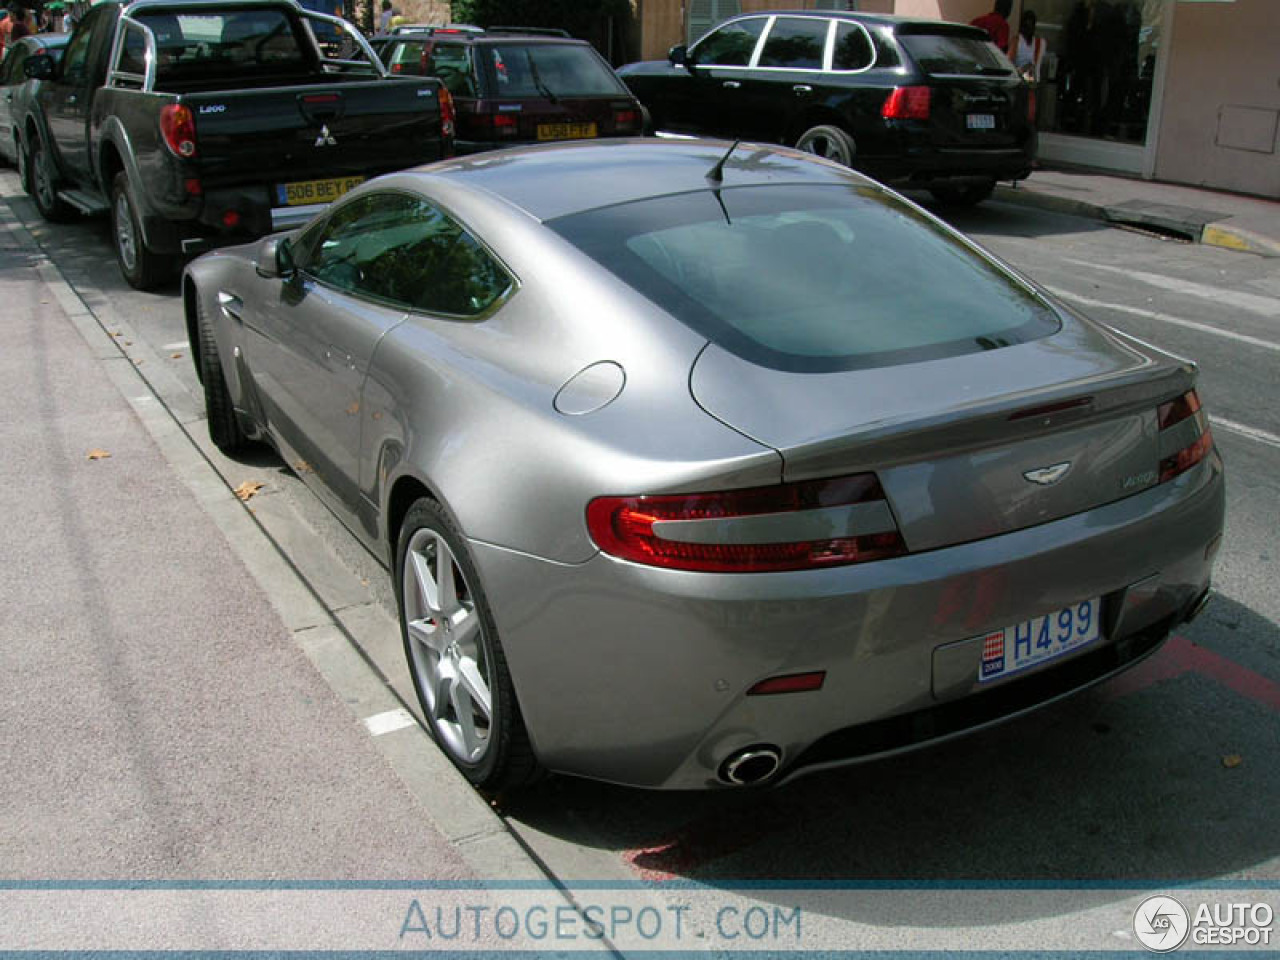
<point x="1038" y="640"/>
<point x="566" y="131"/>
<point x="980" y="121"/>
<point x="314" y="191"/>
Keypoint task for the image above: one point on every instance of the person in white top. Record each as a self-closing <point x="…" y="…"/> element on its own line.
<point x="1027" y="50"/>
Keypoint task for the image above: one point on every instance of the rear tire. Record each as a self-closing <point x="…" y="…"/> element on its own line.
<point x="963" y="195"/>
<point x="24" y="165"/>
<point x="458" y="665"/>
<point x="44" y="182"/>
<point x="830" y="142"/>
<point x="224" y="425"/>
<point x="142" y="267"/>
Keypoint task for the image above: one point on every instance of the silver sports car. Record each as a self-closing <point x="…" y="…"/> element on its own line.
<point x="699" y="466"/>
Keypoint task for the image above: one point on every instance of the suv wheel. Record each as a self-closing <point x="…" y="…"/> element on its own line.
<point x="828" y="141"/>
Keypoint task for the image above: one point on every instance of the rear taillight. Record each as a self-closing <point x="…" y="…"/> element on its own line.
<point x="793" y="526"/>
<point x="907" y="103"/>
<point x="503" y="124"/>
<point x="626" y="121"/>
<point x="178" y="128"/>
<point x="447" y="114"/>
<point x="1185" y="438"/>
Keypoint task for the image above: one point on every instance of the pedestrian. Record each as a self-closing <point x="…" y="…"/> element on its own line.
<point x="996" y="23"/>
<point x="6" y="27"/>
<point x="21" y="24"/>
<point x="1027" y="50"/>
<point x="384" y="18"/>
<point x="68" y="21"/>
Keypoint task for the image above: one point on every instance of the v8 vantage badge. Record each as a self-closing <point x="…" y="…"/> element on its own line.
<point x="1161" y="924"/>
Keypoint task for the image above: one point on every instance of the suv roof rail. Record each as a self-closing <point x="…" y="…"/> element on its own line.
<point x="534" y="31"/>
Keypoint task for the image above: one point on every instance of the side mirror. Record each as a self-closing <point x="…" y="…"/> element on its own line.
<point x="275" y="259"/>
<point x="38" y="67"/>
<point x="678" y="56"/>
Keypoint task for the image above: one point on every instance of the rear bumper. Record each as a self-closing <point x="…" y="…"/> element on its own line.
<point x="639" y="675"/>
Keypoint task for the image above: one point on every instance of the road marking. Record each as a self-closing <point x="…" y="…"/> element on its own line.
<point x="1253" y="433"/>
<point x="1164" y="317"/>
<point x="389" y="722"/>
<point x="178" y="345"/>
<point x="1179" y="656"/>
<point x="1266" y="306"/>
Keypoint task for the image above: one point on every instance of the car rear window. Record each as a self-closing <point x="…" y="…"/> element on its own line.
<point x="192" y="44"/>
<point x="548" y="71"/>
<point x="811" y="278"/>
<point x="955" y="55"/>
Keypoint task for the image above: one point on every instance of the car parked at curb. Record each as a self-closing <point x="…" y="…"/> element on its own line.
<point x="15" y="90"/>
<point x="912" y="103"/>
<point x="705" y="465"/>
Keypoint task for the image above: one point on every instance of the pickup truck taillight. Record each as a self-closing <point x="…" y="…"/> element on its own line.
<point x="178" y="127"/>
<point x="447" y="113"/>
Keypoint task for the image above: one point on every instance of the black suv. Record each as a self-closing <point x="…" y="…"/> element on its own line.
<point x="913" y="103"/>
<point x="514" y="85"/>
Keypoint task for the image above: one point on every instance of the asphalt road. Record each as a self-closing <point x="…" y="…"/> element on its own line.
<point x="1128" y="782"/>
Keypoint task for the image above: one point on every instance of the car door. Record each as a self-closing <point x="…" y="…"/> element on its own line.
<point x="309" y="342"/>
<point x="11" y="75"/>
<point x="785" y="81"/>
<point x="705" y="96"/>
<point x="66" y="98"/>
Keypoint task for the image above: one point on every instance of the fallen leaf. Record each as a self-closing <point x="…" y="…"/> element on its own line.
<point x="353" y="409"/>
<point x="302" y="467"/>
<point x="128" y="343"/>
<point x="247" y="489"/>
<point x="175" y="356"/>
<point x="1232" y="760"/>
<point x="117" y="333"/>
<point x="137" y="363"/>
<point x="97" y="454"/>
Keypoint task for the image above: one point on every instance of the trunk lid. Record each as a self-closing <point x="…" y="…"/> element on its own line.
<point x="958" y="443"/>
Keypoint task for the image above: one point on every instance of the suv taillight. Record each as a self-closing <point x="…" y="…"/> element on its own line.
<point x="178" y="128"/>
<point x="1185" y="438"/>
<point x="907" y="103"/>
<point x="792" y="526"/>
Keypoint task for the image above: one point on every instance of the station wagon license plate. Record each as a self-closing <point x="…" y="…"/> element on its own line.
<point x="980" y="121"/>
<point x="315" y="191"/>
<point x="1038" y="640"/>
<point x="566" y="131"/>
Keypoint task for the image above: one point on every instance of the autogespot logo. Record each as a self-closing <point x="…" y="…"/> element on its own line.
<point x="1161" y="924"/>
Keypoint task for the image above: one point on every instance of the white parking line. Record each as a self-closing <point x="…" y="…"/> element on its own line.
<point x="1253" y="433"/>
<point x="1265" y="306"/>
<point x="389" y="722"/>
<point x="1164" y="318"/>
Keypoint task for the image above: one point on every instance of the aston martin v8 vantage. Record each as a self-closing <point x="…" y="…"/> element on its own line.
<point x="699" y="465"/>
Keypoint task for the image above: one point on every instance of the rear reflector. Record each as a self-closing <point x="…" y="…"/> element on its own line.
<point x="794" y="526"/>
<point x="1185" y="437"/>
<point x="625" y="121"/>
<point x="907" y="103"/>
<point x="791" y="683"/>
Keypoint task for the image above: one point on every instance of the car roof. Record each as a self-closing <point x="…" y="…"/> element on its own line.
<point x="881" y="19"/>
<point x="555" y="180"/>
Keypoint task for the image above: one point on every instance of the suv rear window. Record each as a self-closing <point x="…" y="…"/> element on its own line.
<point x="811" y="279"/>
<point x="949" y="54"/>
<point x="548" y="70"/>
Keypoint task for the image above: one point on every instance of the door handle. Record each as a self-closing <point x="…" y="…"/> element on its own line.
<point x="231" y="305"/>
<point x="731" y="84"/>
<point x="802" y="89"/>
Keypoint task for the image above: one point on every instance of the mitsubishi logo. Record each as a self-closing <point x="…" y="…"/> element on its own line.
<point x="326" y="138"/>
<point x="1046" y="476"/>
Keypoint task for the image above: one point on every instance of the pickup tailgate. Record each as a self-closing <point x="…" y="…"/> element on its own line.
<point x="286" y="135"/>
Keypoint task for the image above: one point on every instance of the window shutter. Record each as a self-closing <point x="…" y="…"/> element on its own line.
<point x="705" y="14"/>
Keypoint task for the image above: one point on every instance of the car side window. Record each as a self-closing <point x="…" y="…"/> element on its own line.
<point x="402" y="249"/>
<point x="12" y="70"/>
<point x="451" y="64"/>
<point x="853" y="49"/>
<point x="795" y="43"/>
<point x="75" y="62"/>
<point x="730" y="46"/>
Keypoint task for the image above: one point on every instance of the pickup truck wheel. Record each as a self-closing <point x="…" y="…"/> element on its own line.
<point x="224" y="427"/>
<point x="143" y="268"/>
<point x="44" y="183"/>
<point x="828" y="141"/>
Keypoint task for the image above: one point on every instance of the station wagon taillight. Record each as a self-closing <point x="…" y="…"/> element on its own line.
<point x="1185" y="438"/>
<point x="790" y="526"/>
<point x="178" y="129"/>
<point x="907" y="103"/>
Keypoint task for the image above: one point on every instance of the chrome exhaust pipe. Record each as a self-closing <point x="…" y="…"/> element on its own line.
<point x="751" y="765"/>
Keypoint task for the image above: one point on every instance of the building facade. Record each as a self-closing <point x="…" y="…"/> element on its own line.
<point x="1186" y="91"/>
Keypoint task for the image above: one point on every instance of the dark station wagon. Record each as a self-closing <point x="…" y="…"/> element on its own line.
<point x="515" y="85"/>
<point x="913" y="103"/>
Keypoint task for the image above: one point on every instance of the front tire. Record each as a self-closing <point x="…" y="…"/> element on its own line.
<point x="143" y="268"/>
<point x="458" y="666"/>
<point x="44" y="182"/>
<point x="24" y="165"/>
<point x="830" y="142"/>
<point x="224" y="426"/>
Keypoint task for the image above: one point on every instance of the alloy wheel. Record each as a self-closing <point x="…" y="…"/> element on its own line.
<point x="126" y="239"/>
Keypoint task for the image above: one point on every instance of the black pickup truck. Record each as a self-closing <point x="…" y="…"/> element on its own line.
<point x="207" y="122"/>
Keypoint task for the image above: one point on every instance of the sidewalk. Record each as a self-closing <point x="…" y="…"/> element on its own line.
<point x="161" y="720"/>
<point x="1247" y="224"/>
